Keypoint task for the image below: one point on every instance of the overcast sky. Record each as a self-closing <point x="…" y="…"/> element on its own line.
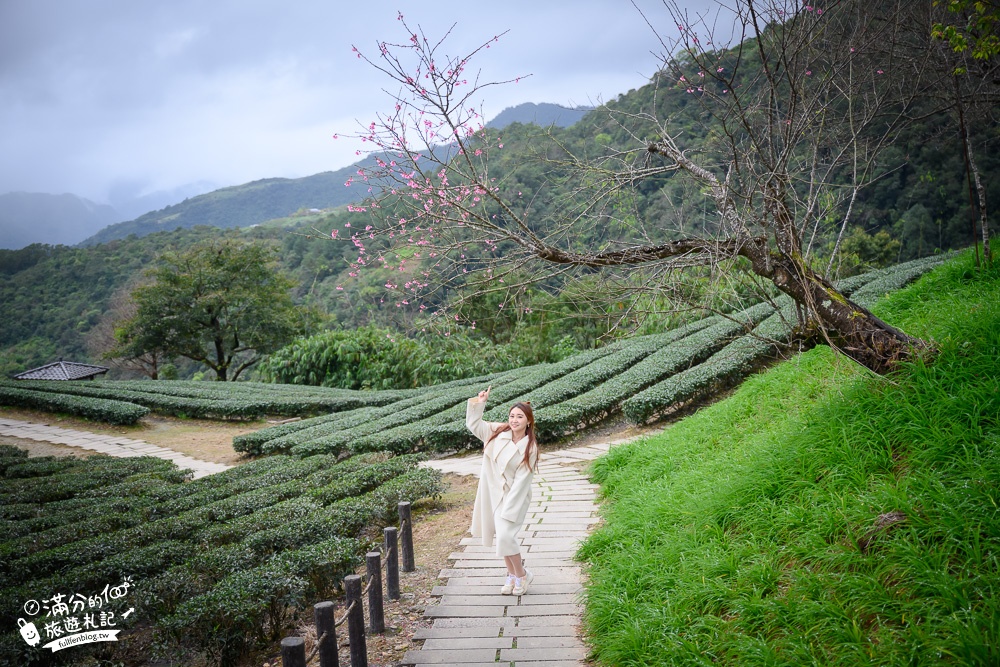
<point x="145" y="96"/>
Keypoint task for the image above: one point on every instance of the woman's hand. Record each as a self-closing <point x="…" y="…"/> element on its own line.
<point x="483" y="395"/>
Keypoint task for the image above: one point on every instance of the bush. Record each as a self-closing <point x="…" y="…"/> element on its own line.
<point x="374" y="358"/>
<point x="98" y="409"/>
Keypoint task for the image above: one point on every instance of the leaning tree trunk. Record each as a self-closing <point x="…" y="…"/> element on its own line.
<point x="850" y="328"/>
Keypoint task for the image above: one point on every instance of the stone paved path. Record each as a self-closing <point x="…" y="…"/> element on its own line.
<point x="475" y="625"/>
<point x="111" y="445"/>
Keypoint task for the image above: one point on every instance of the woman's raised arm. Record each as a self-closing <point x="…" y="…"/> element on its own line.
<point x="474" y="417"/>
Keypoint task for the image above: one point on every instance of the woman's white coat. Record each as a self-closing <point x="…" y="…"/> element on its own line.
<point x="505" y="481"/>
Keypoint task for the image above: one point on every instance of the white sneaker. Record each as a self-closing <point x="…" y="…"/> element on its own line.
<point x="508" y="586"/>
<point x="521" y="583"/>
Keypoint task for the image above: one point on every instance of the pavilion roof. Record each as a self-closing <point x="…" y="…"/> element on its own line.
<point x="62" y="370"/>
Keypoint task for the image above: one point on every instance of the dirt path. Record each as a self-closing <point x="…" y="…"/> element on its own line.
<point x="199" y="438"/>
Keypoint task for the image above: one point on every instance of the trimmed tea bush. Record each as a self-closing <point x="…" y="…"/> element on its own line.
<point x="98" y="409"/>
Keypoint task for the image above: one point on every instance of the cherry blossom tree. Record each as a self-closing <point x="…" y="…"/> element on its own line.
<point x="793" y="117"/>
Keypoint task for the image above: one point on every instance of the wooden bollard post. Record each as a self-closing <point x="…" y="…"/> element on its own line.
<point x="325" y="619"/>
<point x="293" y="652"/>
<point x="391" y="564"/>
<point x="356" y="621"/>
<point x="376" y="615"/>
<point x="406" y="537"/>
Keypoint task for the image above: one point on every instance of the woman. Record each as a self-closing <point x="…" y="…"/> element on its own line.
<point x="510" y="457"/>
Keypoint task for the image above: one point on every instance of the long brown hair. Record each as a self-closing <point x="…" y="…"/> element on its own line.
<point x="529" y="431"/>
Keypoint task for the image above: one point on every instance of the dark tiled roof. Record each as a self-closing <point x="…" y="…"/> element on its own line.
<point x="62" y="370"/>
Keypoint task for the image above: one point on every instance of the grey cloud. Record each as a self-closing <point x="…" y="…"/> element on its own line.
<point x="109" y="91"/>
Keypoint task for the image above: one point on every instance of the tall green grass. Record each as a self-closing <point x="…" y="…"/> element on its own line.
<point x="820" y="515"/>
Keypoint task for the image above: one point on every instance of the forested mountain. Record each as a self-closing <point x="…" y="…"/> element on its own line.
<point x="243" y="205"/>
<point x="51" y="297"/>
<point x="542" y="115"/>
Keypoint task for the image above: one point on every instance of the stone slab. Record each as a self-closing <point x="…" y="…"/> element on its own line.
<point x="520" y="654"/>
<point x="565" y="549"/>
<point x="553" y="574"/>
<point x="445" y="657"/>
<point x="475" y="555"/>
<point x="571" y="488"/>
<point x="559" y="630"/>
<point x="475" y="622"/>
<point x="536" y="562"/>
<point x="577" y="454"/>
<point x="452" y="633"/>
<point x="553" y="539"/>
<point x="567" y="554"/>
<point x="548" y="642"/>
<point x="463" y="611"/>
<point x="478" y="600"/>
<point x="545" y="610"/>
<point x="537" y="588"/>
<point x="526" y="622"/>
<point x="463" y="643"/>
<point x="532" y="597"/>
<point x="496" y="578"/>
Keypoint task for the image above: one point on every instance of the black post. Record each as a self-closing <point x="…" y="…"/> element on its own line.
<point x="406" y="537"/>
<point x="391" y="564"/>
<point x="325" y="619"/>
<point x="356" y="621"/>
<point x="293" y="652"/>
<point x="376" y="615"/>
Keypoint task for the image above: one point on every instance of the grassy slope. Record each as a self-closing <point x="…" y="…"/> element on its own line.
<point x="749" y="532"/>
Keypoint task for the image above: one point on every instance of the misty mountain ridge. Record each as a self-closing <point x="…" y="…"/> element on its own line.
<point x="32" y="217"/>
<point x="130" y="202"/>
<point x="69" y="220"/>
